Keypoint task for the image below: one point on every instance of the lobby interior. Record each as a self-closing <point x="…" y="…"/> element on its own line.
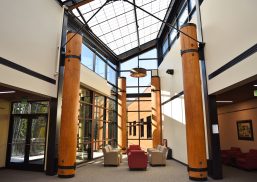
<point x="78" y="76"/>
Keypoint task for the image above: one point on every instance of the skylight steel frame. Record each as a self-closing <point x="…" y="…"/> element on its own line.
<point x="144" y="38"/>
<point x="136" y="20"/>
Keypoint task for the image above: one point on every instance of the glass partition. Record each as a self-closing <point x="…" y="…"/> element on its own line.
<point x="97" y="124"/>
<point x="139" y="124"/>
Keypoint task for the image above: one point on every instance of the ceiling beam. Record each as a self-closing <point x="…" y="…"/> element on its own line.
<point x="137" y="51"/>
<point x="81" y="3"/>
<point x="84" y="21"/>
<point x="91" y="38"/>
<point x="135" y="13"/>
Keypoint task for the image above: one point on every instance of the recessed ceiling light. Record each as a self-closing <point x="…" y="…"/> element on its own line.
<point x="224" y="101"/>
<point x="255" y="85"/>
<point x="7" y="92"/>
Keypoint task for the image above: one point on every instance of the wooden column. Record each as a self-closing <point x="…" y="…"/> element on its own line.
<point x="122" y="113"/>
<point x="196" y="150"/>
<point x="70" y="107"/>
<point x="107" y="125"/>
<point x="100" y="128"/>
<point x="156" y="111"/>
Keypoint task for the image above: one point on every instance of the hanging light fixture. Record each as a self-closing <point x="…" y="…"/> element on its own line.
<point x="138" y="72"/>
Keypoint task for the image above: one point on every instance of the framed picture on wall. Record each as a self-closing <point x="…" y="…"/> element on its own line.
<point x="245" y="130"/>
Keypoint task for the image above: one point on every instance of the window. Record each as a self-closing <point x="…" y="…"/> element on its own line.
<point x="145" y="81"/>
<point x="130" y="128"/>
<point x="148" y="63"/>
<point x="165" y="47"/>
<point x="111" y="75"/>
<point x="30" y="107"/>
<point x="149" y="126"/>
<point x="173" y="35"/>
<point x="139" y="96"/>
<point x="113" y="65"/>
<point x="100" y="67"/>
<point x="185" y="14"/>
<point x="87" y="57"/>
<point x="134" y="128"/>
<point x="183" y="17"/>
<point x="97" y="124"/>
<point x="142" y="127"/>
<point x="192" y="4"/>
<point x="130" y="81"/>
<point x="128" y="65"/>
<point x="95" y="63"/>
<point x="149" y="54"/>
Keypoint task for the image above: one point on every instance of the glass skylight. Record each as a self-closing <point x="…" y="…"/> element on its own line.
<point x="115" y="24"/>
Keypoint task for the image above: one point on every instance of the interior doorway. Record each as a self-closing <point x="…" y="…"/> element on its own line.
<point x="237" y="120"/>
<point x="27" y="136"/>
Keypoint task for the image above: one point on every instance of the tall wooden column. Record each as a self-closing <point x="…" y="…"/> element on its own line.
<point x="196" y="150"/>
<point x="156" y="111"/>
<point x="122" y="113"/>
<point x="70" y="108"/>
<point x="100" y="128"/>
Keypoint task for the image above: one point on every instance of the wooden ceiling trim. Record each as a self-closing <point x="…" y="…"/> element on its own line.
<point x="81" y="3"/>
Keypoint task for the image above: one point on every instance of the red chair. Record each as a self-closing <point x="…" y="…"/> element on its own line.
<point x="133" y="147"/>
<point x="248" y="160"/>
<point x="229" y="156"/>
<point x="137" y="159"/>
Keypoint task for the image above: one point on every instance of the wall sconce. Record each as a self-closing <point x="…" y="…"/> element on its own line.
<point x="170" y="71"/>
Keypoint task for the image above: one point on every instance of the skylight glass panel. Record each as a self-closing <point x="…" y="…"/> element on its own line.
<point x="85" y="9"/>
<point x="97" y="30"/>
<point x="133" y="37"/>
<point x="76" y="13"/>
<point x="131" y="28"/>
<point x="122" y="49"/>
<point x="128" y="47"/>
<point x="117" y="34"/>
<point x="105" y="27"/>
<point x="126" y="39"/>
<point x="113" y="45"/>
<point x="109" y="37"/>
<point x="115" y="23"/>
<point x="96" y="4"/>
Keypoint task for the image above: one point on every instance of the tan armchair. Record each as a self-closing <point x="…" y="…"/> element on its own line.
<point x="111" y="157"/>
<point x="158" y="157"/>
<point x="150" y="150"/>
<point x="116" y="150"/>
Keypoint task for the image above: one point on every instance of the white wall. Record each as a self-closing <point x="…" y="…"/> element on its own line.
<point x="4" y="128"/>
<point x="30" y="35"/>
<point x="93" y="81"/>
<point x="173" y="113"/>
<point x="228" y="117"/>
<point x="229" y="28"/>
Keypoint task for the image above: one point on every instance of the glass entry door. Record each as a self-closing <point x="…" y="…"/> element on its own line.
<point x="26" y="145"/>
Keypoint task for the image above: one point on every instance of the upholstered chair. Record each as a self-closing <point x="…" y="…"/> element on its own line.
<point x="158" y="157"/>
<point x="111" y="158"/>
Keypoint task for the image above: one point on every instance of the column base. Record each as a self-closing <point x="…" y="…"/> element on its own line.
<point x="66" y="176"/>
<point x="197" y="179"/>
